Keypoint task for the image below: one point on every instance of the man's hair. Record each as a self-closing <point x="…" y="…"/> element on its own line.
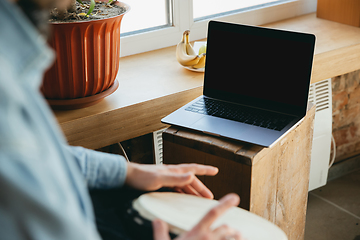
<point x="37" y="15"/>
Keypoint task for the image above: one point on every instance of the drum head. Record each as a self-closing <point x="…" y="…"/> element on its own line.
<point x="182" y="212"/>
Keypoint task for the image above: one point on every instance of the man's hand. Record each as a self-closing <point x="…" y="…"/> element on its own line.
<point x="202" y="230"/>
<point x="181" y="177"/>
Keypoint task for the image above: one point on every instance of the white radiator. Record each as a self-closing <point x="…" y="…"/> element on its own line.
<point x="321" y="94"/>
<point x="158" y="146"/>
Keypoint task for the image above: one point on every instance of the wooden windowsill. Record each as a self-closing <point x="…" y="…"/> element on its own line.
<point x="153" y="84"/>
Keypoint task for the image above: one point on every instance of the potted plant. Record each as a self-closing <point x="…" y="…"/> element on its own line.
<point x="87" y="47"/>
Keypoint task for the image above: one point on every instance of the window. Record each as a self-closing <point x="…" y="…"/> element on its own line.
<point x="146" y="15"/>
<point x="155" y="24"/>
<point x="202" y="9"/>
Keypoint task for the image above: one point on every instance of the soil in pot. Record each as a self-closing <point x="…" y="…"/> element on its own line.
<point x="78" y="13"/>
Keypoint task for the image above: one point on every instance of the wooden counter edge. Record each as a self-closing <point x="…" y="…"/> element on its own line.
<point x="121" y="124"/>
<point x="335" y="63"/>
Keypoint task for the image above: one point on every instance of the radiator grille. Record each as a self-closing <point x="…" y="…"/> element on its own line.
<point x="320" y="94"/>
<point x="158" y="146"/>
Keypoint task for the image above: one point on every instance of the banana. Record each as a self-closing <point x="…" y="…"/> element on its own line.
<point x="201" y="63"/>
<point x="189" y="48"/>
<point x="185" y="54"/>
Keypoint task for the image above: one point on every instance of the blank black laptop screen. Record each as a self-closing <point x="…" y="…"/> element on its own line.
<point x="259" y="67"/>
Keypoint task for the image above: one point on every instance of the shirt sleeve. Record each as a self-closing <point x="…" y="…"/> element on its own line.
<point x="101" y="170"/>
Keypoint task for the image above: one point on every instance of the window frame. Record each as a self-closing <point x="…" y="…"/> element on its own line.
<point x="162" y="37"/>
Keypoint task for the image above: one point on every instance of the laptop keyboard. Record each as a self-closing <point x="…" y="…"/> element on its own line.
<point x="240" y="113"/>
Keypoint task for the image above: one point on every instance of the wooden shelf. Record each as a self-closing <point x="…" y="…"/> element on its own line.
<point x="153" y="84"/>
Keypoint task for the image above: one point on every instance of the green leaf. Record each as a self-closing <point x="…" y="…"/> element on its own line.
<point x="92" y="6"/>
<point x="79" y="1"/>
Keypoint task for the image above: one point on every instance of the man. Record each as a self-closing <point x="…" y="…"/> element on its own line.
<point x="43" y="181"/>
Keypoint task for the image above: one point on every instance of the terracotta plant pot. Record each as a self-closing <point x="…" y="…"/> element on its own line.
<point x="87" y="62"/>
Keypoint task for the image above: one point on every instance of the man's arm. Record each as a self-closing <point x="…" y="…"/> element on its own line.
<point x="104" y="170"/>
<point x="100" y="170"/>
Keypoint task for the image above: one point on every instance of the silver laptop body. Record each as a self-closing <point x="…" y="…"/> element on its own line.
<point x="256" y="84"/>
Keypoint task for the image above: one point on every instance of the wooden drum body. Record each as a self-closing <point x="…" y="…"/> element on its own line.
<point x="182" y="212"/>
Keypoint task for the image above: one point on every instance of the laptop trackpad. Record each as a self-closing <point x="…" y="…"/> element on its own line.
<point x="221" y="127"/>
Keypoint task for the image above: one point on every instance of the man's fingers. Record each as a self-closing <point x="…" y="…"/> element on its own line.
<point x="199" y="187"/>
<point x="228" y="201"/>
<point x="196" y="169"/>
<point x="196" y="187"/>
<point x="160" y="230"/>
<point x="227" y="232"/>
<point x="223" y="230"/>
<point x="190" y="190"/>
<point x="176" y="180"/>
<point x="179" y="190"/>
<point x="188" y="183"/>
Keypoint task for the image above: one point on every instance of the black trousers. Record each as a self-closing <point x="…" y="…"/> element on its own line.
<point x="115" y="216"/>
<point x="112" y="220"/>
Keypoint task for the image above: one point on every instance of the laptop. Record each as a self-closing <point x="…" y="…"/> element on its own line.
<point x="256" y="84"/>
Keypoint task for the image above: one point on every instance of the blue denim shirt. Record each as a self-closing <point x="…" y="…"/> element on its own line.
<point x="43" y="181"/>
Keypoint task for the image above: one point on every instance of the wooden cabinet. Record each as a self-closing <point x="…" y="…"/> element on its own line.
<point x="346" y="11"/>
<point x="272" y="182"/>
